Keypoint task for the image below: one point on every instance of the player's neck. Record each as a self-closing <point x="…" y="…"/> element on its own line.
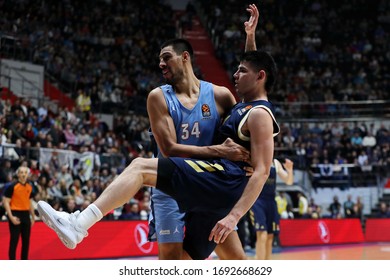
<point x="262" y="95"/>
<point x="189" y="85"/>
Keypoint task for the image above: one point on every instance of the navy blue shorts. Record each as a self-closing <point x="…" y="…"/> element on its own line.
<point x="206" y="190"/>
<point x="264" y="215"/>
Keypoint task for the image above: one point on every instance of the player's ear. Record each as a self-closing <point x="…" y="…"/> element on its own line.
<point x="185" y="56"/>
<point x="261" y="75"/>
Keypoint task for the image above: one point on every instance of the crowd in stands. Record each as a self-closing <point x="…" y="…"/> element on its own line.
<point x="325" y="50"/>
<point x="309" y="209"/>
<point x="107" y="53"/>
<point x="107" y="49"/>
<point x="26" y="130"/>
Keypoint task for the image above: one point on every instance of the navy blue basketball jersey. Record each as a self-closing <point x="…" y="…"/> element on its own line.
<point x="198" y="125"/>
<point x="233" y="123"/>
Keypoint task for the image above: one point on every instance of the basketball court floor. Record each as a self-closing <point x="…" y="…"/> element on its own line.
<point x="361" y="251"/>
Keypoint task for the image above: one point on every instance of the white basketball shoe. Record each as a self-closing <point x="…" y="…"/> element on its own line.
<point x="64" y="224"/>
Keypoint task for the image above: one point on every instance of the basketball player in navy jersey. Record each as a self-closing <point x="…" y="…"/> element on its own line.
<point x="187" y="111"/>
<point x="264" y="212"/>
<point x="219" y="187"/>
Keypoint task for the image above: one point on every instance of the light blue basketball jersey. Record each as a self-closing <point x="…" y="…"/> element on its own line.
<point x="198" y="125"/>
<point x="195" y="126"/>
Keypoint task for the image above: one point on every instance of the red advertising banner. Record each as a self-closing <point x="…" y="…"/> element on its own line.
<point x="106" y="239"/>
<point x="320" y="232"/>
<point x="377" y="230"/>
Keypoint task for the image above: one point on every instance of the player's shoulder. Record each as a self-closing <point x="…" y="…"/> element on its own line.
<point x="155" y="94"/>
<point x="156" y="91"/>
<point x="223" y="96"/>
<point x="221" y="90"/>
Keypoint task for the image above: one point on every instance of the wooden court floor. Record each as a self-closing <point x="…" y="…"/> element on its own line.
<point x="361" y="251"/>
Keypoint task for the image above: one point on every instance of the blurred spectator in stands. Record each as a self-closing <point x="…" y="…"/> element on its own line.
<point x="302" y="206"/>
<point x="14" y="153"/>
<point x="382" y="135"/>
<point x="54" y="190"/>
<point x="30" y="132"/>
<point x="281" y="203"/>
<point x="349" y="211"/>
<point x="144" y="205"/>
<point x="356" y="139"/>
<point x="314" y="210"/>
<point x="83" y="138"/>
<point x="83" y="102"/>
<point x="55" y="203"/>
<point x="65" y="175"/>
<point x="301" y="154"/>
<point x="289" y="139"/>
<point x="130" y="211"/>
<point x="75" y="191"/>
<point x="335" y="208"/>
<point x="384" y="211"/>
<point x="70" y="137"/>
<point x="326" y="169"/>
<point x="56" y="134"/>
<point x="6" y="171"/>
<point x="363" y="159"/>
<point x="70" y="205"/>
<point x="47" y="172"/>
<point x="369" y="140"/>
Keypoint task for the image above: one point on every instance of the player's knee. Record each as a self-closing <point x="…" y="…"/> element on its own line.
<point x="240" y="256"/>
<point x="170" y="251"/>
<point x="137" y="164"/>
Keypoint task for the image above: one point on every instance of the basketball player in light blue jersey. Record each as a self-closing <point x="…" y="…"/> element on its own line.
<point x="195" y="108"/>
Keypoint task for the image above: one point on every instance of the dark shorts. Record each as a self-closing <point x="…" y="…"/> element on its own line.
<point x="264" y="215"/>
<point x="206" y="190"/>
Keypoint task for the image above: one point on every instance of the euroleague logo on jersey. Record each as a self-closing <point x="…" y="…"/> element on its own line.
<point x="323" y="231"/>
<point x="206" y="111"/>
<point x="141" y="238"/>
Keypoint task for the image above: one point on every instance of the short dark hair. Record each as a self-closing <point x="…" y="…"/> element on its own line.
<point x="179" y="45"/>
<point x="261" y="60"/>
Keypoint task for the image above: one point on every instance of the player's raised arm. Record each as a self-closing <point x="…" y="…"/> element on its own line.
<point x="250" y="28"/>
<point x="285" y="171"/>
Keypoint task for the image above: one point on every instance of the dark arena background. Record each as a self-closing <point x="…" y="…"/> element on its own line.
<point x="75" y="75"/>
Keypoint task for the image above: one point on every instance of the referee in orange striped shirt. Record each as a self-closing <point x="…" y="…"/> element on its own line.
<point x="17" y="202"/>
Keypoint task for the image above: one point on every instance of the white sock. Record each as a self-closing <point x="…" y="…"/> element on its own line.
<point x="89" y="216"/>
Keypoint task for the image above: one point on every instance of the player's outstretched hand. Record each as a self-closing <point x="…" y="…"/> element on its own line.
<point x="250" y="25"/>
<point x="222" y="229"/>
<point x="288" y="164"/>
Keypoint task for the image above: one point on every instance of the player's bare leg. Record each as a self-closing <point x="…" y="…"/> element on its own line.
<point x="231" y="248"/>
<point x="170" y="251"/>
<point x="72" y="228"/>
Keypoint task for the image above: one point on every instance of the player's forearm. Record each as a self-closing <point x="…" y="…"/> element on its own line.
<point x="290" y="177"/>
<point x="179" y="150"/>
<point x="250" y="194"/>
<point x="250" y="42"/>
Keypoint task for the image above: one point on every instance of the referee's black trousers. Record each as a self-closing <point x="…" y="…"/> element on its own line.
<point x="23" y="230"/>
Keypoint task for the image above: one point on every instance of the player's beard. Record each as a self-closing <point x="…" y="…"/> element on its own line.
<point x="175" y="77"/>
